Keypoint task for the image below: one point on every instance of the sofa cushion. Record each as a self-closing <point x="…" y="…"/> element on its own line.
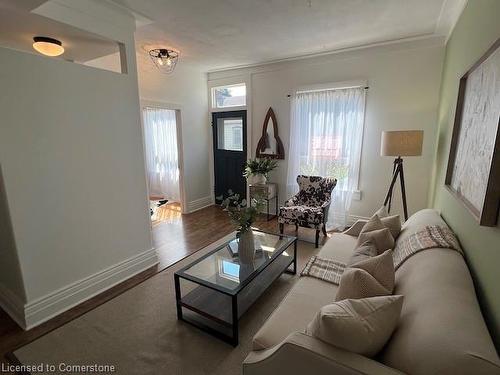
<point x="361" y="326"/>
<point x="441" y="329"/>
<point x="339" y="247"/>
<point x="306" y="297"/>
<point x="296" y="310"/>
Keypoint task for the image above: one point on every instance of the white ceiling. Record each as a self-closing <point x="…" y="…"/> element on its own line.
<point x="18" y="26"/>
<point x="217" y="34"/>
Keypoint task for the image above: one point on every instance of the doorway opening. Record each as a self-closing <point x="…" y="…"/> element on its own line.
<point x="163" y="172"/>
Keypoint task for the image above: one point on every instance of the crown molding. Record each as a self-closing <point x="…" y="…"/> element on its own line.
<point x="451" y="10"/>
<point x="421" y="41"/>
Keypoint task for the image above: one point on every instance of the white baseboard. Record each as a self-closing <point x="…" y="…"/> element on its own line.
<point x="42" y="309"/>
<point x="12" y="305"/>
<point x="198" y="204"/>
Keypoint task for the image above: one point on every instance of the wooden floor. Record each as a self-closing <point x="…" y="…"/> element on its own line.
<point x="174" y="235"/>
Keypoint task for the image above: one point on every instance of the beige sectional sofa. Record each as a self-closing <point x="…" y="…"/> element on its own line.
<point x="441" y="329"/>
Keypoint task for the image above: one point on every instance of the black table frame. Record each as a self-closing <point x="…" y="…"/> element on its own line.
<point x="233" y="338"/>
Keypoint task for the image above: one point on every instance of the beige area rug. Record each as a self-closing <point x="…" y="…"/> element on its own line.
<point x="138" y="331"/>
<point x="307" y="234"/>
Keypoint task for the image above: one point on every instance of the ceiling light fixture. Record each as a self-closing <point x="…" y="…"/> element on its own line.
<point x="48" y="46"/>
<point x="164" y="59"/>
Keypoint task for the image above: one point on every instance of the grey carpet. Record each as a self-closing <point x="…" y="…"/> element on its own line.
<point x="138" y="331"/>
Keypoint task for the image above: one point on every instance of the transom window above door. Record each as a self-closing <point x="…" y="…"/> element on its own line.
<point x="229" y="96"/>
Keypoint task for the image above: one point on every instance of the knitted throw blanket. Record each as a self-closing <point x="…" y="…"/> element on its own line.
<point x="432" y="236"/>
<point x="324" y="269"/>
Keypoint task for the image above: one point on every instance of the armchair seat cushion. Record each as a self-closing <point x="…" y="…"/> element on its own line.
<point x="304" y="216"/>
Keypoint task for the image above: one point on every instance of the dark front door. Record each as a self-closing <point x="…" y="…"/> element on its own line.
<point x="230" y="152"/>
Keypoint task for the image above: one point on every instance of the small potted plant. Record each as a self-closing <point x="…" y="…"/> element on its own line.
<point x="257" y="170"/>
<point x="243" y="217"/>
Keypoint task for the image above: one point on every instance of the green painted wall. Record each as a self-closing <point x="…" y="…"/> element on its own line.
<point x="477" y="29"/>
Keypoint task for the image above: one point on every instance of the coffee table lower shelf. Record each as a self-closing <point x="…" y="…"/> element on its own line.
<point x="217" y="312"/>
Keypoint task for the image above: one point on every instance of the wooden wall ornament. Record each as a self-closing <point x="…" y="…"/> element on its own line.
<point x="270" y="145"/>
<point x="473" y="173"/>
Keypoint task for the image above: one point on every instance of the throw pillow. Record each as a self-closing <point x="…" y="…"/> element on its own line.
<point x="361" y="326"/>
<point x="393" y="223"/>
<point x="382" y="238"/>
<point x="382" y="212"/>
<point x="364" y="251"/>
<point x="356" y="283"/>
<point x="368" y="278"/>
<point x="381" y="267"/>
<point x="373" y="224"/>
<point x="379" y="222"/>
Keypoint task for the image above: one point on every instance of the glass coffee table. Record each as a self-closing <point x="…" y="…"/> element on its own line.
<point x="214" y="291"/>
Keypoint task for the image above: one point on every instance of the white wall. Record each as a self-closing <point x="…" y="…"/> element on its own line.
<point x="404" y="84"/>
<point x="184" y="89"/>
<point x="12" y="292"/>
<point x="73" y="174"/>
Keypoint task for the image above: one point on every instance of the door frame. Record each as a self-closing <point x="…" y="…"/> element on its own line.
<point x="228" y="114"/>
<point x="245" y="78"/>
<point x="180" y="154"/>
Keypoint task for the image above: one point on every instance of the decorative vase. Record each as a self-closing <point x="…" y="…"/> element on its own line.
<point x="258" y="179"/>
<point x="246" y="247"/>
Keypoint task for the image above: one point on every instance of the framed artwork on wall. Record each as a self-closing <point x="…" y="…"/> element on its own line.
<point x="473" y="173"/>
<point x="270" y="145"/>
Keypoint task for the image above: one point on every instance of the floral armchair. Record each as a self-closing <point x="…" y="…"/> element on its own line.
<point x="309" y="207"/>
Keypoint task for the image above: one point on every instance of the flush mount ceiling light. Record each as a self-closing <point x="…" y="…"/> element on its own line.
<point x="164" y="59"/>
<point x="48" y="46"/>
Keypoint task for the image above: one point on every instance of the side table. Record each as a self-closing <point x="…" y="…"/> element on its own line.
<point x="269" y="191"/>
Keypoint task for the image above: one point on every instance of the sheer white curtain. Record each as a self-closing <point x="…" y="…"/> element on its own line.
<point x="160" y="134"/>
<point x="325" y="139"/>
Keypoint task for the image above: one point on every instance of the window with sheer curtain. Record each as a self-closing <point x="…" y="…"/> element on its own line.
<point x="326" y="133"/>
<point x="162" y="160"/>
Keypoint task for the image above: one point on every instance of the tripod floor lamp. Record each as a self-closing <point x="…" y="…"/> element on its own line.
<point x="400" y="143"/>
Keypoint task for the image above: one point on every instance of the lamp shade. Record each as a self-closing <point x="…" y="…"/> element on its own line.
<point x="402" y="143"/>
